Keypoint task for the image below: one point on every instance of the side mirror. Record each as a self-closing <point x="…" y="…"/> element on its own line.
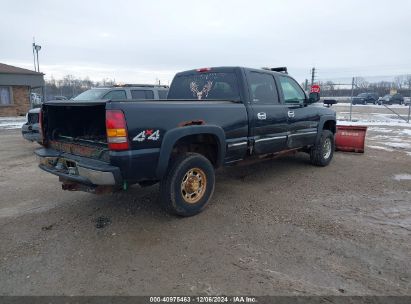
<point x="313" y="97"/>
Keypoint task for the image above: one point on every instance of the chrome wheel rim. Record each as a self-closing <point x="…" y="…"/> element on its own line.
<point x="193" y="185"/>
<point x="327" y="148"/>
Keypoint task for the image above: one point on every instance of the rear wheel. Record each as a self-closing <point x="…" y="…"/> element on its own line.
<point x="188" y="185"/>
<point x="322" y="153"/>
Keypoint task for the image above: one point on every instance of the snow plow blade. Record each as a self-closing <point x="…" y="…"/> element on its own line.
<point x="350" y="138"/>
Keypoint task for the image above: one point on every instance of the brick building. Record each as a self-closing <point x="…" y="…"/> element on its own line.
<point x="15" y="88"/>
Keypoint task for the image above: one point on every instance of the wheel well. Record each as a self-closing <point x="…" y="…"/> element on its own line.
<point x="204" y="144"/>
<point x="330" y="125"/>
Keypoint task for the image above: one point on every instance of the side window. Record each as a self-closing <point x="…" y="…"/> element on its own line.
<point x="116" y="94"/>
<point x="142" y="94"/>
<point x="263" y="89"/>
<point x="291" y="90"/>
<point x="162" y="94"/>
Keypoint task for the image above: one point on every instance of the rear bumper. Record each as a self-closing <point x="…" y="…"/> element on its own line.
<point x="79" y="169"/>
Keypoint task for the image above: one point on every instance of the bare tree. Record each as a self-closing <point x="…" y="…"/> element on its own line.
<point x="399" y="81"/>
<point x="361" y="83"/>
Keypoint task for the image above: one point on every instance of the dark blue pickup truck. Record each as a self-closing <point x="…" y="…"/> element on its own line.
<point x="213" y="117"/>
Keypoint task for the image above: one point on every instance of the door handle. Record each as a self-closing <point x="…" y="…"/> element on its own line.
<point x="261" y="115"/>
<point x="291" y="114"/>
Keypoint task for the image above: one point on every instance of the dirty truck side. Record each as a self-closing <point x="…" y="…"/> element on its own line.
<point x="213" y="117"/>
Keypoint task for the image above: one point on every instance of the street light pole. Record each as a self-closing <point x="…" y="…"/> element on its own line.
<point x="36" y="49"/>
<point x="34" y="56"/>
<point x="409" y="107"/>
<point x="352" y="95"/>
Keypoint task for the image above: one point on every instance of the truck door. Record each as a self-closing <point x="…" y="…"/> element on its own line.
<point x="302" y="120"/>
<point x="269" y="116"/>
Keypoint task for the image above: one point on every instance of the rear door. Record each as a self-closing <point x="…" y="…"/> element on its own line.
<point x="269" y="116"/>
<point x="302" y="120"/>
<point x="116" y="94"/>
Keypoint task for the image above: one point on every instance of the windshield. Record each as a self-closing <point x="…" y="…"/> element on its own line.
<point x="362" y="95"/>
<point x="91" y="94"/>
<point x="201" y="86"/>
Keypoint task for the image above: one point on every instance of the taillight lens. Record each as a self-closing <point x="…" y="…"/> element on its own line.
<point x="116" y="130"/>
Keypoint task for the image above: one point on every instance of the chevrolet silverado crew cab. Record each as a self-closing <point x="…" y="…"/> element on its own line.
<point x="30" y="130"/>
<point x="213" y="117"/>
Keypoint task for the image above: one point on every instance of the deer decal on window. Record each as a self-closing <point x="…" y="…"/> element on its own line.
<point x="204" y="92"/>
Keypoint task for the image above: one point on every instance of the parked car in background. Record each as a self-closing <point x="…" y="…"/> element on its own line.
<point x="127" y="91"/>
<point x="60" y="98"/>
<point x="391" y="99"/>
<point x="30" y="129"/>
<point x="365" y="98"/>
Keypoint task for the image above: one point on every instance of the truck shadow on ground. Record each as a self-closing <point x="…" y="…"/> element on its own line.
<point x="142" y="202"/>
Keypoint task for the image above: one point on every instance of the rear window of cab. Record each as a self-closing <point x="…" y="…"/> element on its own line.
<point x="205" y="86"/>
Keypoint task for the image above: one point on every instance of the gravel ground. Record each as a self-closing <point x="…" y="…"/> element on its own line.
<point x="279" y="227"/>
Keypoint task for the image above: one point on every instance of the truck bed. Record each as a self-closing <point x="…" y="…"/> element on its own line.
<point x="77" y="128"/>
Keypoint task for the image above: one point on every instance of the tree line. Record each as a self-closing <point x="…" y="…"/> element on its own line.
<point x="70" y="86"/>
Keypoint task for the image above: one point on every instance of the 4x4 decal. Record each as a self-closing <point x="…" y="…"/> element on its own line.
<point x="149" y="134"/>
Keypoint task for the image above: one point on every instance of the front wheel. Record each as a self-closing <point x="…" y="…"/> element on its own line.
<point x="188" y="185"/>
<point x="322" y="153"/>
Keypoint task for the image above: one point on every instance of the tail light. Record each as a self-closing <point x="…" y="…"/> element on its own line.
<point x="116" y="130"/>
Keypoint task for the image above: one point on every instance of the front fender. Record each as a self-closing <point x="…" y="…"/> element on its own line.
<point x="323" y="120"/>
<point x="172" y="136"/>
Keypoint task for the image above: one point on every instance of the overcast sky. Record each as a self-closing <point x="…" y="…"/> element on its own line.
<point x="139" y="41"/>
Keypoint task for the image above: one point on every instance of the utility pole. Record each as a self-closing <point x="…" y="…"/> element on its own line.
<point x="36" y="49"/>
<point x="352" y="95"/>
<point x="409" y="107"/>
<point x="312" y="76"/>
<point x="34" y="56"/>
<point x="306" y="85"/>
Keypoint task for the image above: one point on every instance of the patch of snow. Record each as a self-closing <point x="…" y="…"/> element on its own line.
<point x="398" y="145"/>
<point x="387" y="137"/>
<point x="405" y="132"/>
<point x="402" y="176"/>
<point x="380" y="130"/>
<point x="344" y="104"/>
<point x="380" y="148"/>
<point x="392" y="123"/>
<point x="7" y="123"/>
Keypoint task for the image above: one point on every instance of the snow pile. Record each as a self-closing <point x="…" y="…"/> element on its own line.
<point x="8" y="123"/>
<point x="394" y="106"/>
<point x="402" y="176"/>
<point x="371" y="119"/>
